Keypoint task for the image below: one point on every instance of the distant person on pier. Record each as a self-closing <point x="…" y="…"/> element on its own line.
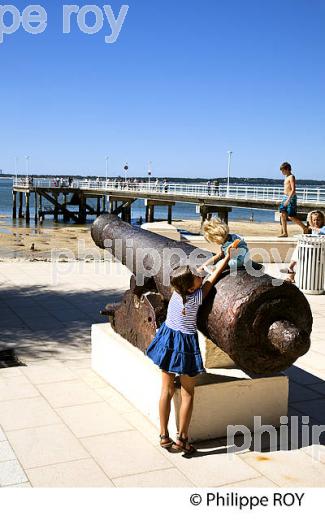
<point x="157" y="184"/>
<point x="209" y="187"/>
<point x="216" y="188"/>
<point x="217" y="232"/>
<point x="165" y="185"/>
<point x="288" y="206"/>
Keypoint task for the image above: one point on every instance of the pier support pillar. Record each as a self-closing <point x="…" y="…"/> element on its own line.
<point x="207" y="211"/>
<point x="27" y="213"/>
<point x="129" y="214"/>
<point x="36" y="207"/>
<point x="170" y="214"/>
<point x="126" y="214"/>
<point x="40" y="213"/>
<point x="20" y="208"/>
<point x="223" y="214"/>
<point x="104" y="203"/>
<point x="98" y="206"/>
<point x="14" y="205"/>
<point x="151" y="213"/>
<point x="204" y="216"/>
<point x="65" y="216"/>
<point x="82" y="210"/>
<point x="56" y="209"/>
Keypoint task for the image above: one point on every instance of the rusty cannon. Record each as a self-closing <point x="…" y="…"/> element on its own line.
<point x="262" y="324"/>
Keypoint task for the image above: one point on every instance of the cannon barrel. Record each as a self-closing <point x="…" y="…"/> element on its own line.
<point x="263" y="325"/>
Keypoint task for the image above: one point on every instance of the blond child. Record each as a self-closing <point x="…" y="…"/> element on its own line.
<point x="217" y="232"/>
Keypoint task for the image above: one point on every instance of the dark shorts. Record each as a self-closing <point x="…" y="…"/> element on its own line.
<point x="291" y="208"/>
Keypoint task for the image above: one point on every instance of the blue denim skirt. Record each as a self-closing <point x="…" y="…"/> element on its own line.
<point x="176" y="352"/>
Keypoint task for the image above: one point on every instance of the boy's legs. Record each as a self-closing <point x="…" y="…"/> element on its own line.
<point x="167" y="392"/>
<point x="284" y="224"/>
<point x="297" y="221"/>
<point x="185" y="413"/>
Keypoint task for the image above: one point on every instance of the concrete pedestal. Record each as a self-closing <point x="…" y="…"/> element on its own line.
<point x="222" y="396"/>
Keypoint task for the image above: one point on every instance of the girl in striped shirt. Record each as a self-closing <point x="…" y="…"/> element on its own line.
<point x="175" y="348"/>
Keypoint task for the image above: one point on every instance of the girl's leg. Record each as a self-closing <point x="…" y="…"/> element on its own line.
<point x="187" y="396"/>
<point x="292" y="265"/>
<point x="167" y="392"/>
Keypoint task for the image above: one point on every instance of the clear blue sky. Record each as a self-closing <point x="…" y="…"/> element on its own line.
<point x="186" y="81"/>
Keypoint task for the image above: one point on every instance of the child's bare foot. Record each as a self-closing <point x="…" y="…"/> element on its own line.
<point x="283" y="235"/>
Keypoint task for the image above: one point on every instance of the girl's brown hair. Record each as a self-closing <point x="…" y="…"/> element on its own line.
<point x="182" y="279"/>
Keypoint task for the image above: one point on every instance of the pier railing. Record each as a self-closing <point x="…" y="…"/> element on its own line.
<point x="261" y="193"/>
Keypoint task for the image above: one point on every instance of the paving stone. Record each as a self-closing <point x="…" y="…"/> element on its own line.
<point x="46" y="445"/>
<point x="143" y="425"/>
<point x="301" y="393"/>
<point x="314" y="408"/>
<point x="125" y="453"/>
<point x="8" y="373"/>
<point x="6" y="452"/>
<point x="288" y="468"/>
<point x="11" y="472"/>
<point x="316" y="451"/>
<point x="38" y="373"/>
<point x="318" y="387"/>
<point x="27" y="413"/>
<point x="93" y="419"/>
<point x="75" y="474"/>
<point x="16" y="388"/>
<point x="2" y="435"/>
<point x="68" y="393"/>
<point x="213" y="467"/>
<point x="260" y="482"/>
<point x="169" y="478"/>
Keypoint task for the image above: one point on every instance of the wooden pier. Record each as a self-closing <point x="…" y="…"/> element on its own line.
<point x="71" y="201"/>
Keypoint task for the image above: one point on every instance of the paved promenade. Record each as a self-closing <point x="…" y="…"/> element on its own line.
<point x="63" y="426"/>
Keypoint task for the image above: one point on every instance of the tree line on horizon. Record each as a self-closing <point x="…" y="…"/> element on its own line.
<point x="192" y="180"/>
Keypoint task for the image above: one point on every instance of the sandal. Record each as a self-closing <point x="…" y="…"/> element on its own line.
<point x="183" y="446"/>
<point x="165" y="441"/>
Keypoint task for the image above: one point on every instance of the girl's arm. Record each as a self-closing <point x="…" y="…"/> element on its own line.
<point x="213" y="260"/>
<point x="209" y="283"/>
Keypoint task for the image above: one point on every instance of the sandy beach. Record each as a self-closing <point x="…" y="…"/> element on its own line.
<point x="21" y="242"/>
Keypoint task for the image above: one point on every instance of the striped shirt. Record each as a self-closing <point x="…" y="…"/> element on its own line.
<point x="175" y="317"/>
